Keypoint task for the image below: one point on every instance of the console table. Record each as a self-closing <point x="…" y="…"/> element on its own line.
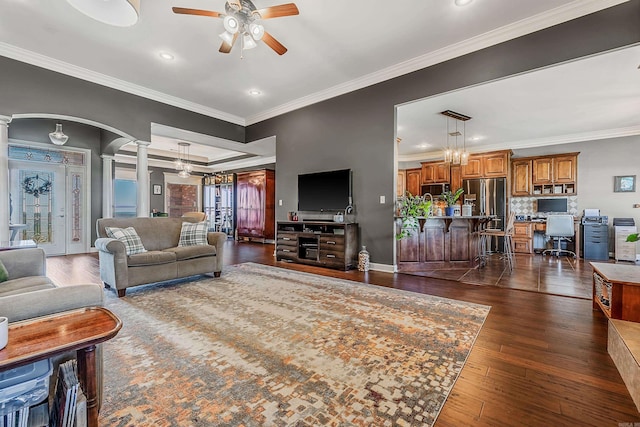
<point x="44" y="337"/>
<point x="327" y="244"/>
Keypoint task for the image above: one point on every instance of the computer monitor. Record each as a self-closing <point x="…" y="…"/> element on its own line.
<point x="555" y="205"/>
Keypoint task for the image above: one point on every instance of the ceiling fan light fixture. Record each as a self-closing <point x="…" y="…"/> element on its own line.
<point x="256" y="30"/>
<point x="58" y="137"/>
<point x="248" y="42"/>
<point x="227" y="37"/>
<point x="119" y="13"/>
<point x="231" y="24"/>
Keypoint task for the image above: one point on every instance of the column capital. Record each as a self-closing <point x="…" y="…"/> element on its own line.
<point x="107" y="156"/>
<point x="5" y="120"/>
<point x="142" y="143"/>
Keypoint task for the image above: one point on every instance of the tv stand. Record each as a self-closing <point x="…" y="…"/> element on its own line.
<point x="322" y="243"/>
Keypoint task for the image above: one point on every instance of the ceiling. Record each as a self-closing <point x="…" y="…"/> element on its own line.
<point x="335" y="46"/>
<point x="593" y="98"/>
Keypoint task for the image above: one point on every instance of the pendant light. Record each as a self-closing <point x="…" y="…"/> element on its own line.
<point x="58" y="137"/>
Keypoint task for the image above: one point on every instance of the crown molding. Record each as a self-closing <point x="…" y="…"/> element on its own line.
<point x="573" y="10"/>
<point x="520" y="28"/>
<point x="531" y="143"/>
<point x="62" y="67"/>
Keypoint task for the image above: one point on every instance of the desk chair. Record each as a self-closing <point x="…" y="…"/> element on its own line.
<point x="559" y="228"/>
<point x="487" y="234"/>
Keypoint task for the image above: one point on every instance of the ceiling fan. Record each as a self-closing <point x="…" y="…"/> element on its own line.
<point x="242" y="19"/>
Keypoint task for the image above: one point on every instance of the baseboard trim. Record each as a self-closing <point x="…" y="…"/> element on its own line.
<point x="385" y="268"/>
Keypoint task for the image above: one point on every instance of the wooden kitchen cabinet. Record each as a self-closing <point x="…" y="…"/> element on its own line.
<point x="401" y="183"/>
<point x="542" y="170"/>
<point x="473" y="169"/>
<point x="435" y="173"/>
<point x="255" y="204"/>
<point x="523" y="237"/>
<point x="456" y="177"/>
<point x="487" y="165"/>
<point x="495" y="165"/>
<point x="564" y="169"/>
<point x="414" y="181"/>
<point x="521" y="178"/>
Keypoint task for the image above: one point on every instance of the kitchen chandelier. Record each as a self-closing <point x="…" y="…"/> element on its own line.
<point x="182" y="163"/>
<point x="454" y="155"/>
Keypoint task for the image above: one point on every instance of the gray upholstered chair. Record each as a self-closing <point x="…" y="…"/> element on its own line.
<point x="559" y="228"/>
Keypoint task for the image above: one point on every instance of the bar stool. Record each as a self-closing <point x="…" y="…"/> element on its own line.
<point x="506" y="234"/>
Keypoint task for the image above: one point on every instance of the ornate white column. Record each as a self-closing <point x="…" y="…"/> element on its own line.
<point x="4" y="178"/>
<point x="142" y="176"/>
<point x="107" y="186"/>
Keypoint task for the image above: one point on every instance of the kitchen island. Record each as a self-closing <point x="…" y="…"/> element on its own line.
<point x="441" y="242"/>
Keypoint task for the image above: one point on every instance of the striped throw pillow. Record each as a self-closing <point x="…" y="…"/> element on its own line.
<point x="129" y="237"/>
<point x="193" y="234"/>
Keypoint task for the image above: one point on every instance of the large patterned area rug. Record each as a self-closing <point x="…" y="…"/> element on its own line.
<point x="265" y="346"/>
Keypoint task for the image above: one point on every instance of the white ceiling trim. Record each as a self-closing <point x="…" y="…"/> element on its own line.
<point x="532" y="24"/>
<point x="62" y="67"/>
<point x="538" y="142"/>
<point x="553" y="17"/>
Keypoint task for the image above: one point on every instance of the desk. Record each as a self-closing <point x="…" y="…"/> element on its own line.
<point x="524" y="236"/>
<point x="44" y="337"/>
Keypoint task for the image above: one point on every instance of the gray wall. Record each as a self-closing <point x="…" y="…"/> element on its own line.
<point x="353" y="131"/>
<point x="27" y="89"/>
<point x="356" y="130"/>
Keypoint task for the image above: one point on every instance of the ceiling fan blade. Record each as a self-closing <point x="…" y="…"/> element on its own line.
<point x="274" y="44"/>
<point x="200" y="12"/>
<point x="278" y="11"/>
<point x="226" y="47"/>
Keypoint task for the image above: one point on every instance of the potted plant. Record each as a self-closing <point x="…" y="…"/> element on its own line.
<point x="450" y="198"/>
<point x="411" y="209"/>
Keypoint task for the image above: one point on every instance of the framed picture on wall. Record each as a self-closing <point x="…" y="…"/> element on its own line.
<point x="624" y="184"/>
<point x="157" y="189"/>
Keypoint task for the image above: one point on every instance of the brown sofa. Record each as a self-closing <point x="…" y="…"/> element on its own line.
<point x="164" y="260"/>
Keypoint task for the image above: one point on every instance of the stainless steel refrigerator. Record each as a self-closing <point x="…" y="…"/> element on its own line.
<point x="488" y="196"/>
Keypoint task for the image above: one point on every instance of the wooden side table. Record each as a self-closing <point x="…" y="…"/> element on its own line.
<point x="619" y="287"/>
<point x="43" y="337"/>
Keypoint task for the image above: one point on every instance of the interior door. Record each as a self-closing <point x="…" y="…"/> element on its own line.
<point x="38" y="201"/>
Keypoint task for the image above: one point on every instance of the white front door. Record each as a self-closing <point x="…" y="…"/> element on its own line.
<point x="39" y="203"/>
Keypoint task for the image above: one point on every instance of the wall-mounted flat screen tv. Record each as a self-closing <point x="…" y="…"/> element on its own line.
<point x="324" y="191"/>
<point x="557" y="205"/>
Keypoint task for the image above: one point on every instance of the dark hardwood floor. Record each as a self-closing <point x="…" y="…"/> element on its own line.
<point x="539" y="360"/>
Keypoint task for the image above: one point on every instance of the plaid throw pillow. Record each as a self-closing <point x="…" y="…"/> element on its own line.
<point x="193" y="234"/>
<point x="129" y="237"/>
<point x="4" y="274"/>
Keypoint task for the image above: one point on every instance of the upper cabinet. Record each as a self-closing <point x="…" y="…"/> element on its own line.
<point x="543" y="170"/>
<point x="487" y="165"/>
<point x="414" y="182"/>
<point x="521" y="177"/>
<point x="435" y="173"/>
<point x="401" y="183"/>
<point x="545" y="175"/>
<point x="564" y="169"/>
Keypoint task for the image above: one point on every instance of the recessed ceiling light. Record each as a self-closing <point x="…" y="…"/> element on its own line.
<point x="255" y="92"/>
<point x="166" y="55"/>
<point x="462" y="2"/>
